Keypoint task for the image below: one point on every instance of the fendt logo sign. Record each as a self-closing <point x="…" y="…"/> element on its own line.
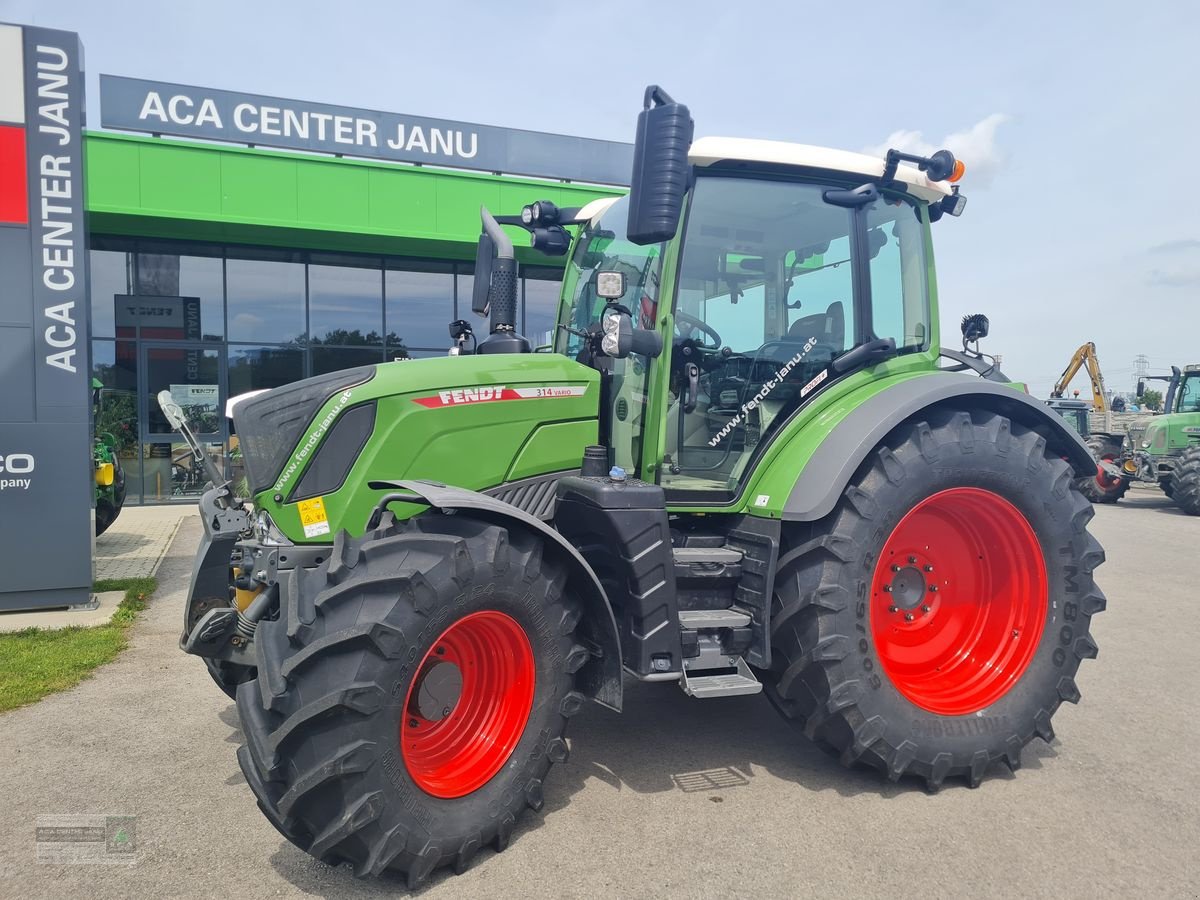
<point x="46" y="461"/>
<point x="11" y="466"/>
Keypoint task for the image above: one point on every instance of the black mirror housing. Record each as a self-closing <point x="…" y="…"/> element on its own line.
<point x="485" y="253"/>
<point x="660" y="168"/>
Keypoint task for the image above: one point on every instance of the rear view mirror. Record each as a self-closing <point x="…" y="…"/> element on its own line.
<point x="485" y="252"/>
<point x="660" y="168"/>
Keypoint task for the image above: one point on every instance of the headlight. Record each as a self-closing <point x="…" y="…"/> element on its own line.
<point x="266" y="532"/>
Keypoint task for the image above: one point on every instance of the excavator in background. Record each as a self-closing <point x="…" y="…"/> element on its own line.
<point x="1109" y="485"/>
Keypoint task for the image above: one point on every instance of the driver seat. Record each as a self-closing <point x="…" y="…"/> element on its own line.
<point x="828" y="327"/>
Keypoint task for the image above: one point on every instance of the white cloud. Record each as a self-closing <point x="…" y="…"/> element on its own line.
<point x="975" y="146"/>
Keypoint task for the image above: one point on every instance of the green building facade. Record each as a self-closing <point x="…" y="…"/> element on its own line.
<point x="218" y="269"/>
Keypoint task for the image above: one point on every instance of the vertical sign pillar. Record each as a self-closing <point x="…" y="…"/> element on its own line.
<point x="46" y="492"/>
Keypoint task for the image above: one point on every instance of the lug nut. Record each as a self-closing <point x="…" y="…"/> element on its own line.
<point x="908" y="617"/>
<point x="893" y="609"/>
<point x="925" y="608"/>
<point x="928" y="568"/>
<point x="912" y="560"/>
<point x="887" y="588"/>
<point x="895" y="568"/>
<point x="412" y="723"/>
<point x="933" y="588"/>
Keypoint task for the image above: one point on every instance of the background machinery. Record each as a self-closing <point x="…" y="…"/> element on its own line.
<point x="1168" y="451"/>
<point x="1109" y="484"/>
<point x="740" y="468"/>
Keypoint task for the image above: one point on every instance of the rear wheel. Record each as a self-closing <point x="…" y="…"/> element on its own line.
<point x="1185" y="482"/>
<point x="932" y="624"/>
<point x="412" y="695"/>
<point x="1102" y="487"/>
<point x="106" y="514"/>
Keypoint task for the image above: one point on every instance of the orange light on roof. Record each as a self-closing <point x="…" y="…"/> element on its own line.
<point x="958" y="172"/>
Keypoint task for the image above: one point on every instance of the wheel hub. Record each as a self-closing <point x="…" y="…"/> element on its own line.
<point x="908" y="587"/>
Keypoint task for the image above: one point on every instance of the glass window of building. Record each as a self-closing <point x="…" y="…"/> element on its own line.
<point x="187" y="284"/>
<point x="542" y="286"/>
<point x="253" y="368"/>
<point x="345" y="301"/>
<point x="265" y="297"/>
<point x="420" y="305"/>
<point x="109" y="274"/>
<point x="332" y="359"/>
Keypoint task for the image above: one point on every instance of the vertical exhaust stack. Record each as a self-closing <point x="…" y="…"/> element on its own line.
<point x="495" y="288"/>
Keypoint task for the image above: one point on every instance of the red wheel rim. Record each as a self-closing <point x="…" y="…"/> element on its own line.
<point x="467" y="708"/>
<point x="958" y="601"/>
<point x="1103" y="479"/>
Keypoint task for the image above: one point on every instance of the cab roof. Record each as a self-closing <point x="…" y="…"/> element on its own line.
<point x="708" y="151"/>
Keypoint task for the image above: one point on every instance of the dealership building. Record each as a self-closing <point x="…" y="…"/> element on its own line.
<point x="219" y="267"/>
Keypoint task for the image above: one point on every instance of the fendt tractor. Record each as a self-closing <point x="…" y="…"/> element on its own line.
<point x="745" y="464"/>
<point x="1168" y="451"/>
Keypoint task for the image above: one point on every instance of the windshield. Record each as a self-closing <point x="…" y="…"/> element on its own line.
<point x="773" y="286"/>
<point x="603" y="247"/>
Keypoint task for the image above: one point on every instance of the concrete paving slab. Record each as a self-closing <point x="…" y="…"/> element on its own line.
<point x="134" y="545"/>
<point x="53" y="619"/>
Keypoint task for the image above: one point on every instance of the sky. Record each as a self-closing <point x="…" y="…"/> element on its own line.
<point x="1077" y="121"/>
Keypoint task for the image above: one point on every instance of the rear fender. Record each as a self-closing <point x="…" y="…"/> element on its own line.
<point x="860" y="431"/>
<point x="600" y="678"/>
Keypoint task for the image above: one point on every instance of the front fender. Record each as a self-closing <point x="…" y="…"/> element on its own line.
<point x="843" y="450"/>
<point x="601" y="678"/>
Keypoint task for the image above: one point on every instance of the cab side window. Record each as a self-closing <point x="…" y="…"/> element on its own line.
<point x="896" y="242"/>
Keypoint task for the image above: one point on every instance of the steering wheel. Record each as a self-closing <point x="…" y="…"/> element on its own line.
<point x="685" y="324"/>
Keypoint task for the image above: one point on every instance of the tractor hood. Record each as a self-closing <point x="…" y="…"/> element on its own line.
<point x="311" y="448"/>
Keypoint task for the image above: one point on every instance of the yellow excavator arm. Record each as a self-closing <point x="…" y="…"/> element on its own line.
<point x="1085" y="355"/>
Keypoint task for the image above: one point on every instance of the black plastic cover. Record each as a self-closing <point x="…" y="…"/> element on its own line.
<point x="269" y="426"/>
<point x="337" y="452"/>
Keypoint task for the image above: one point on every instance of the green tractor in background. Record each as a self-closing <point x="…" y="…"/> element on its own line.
<point x="1168" y="451"/>
<point x="745" y="465"/>
<point x="108" y="473"/>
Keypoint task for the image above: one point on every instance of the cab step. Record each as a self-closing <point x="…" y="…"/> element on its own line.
<point x="726" y="684"/>
<point x="695" y="619"/>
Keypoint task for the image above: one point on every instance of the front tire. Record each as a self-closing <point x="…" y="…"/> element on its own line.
<point x="412" y="695"/>
<point x="932" y="623"/>
<point x="1185" y="482"/>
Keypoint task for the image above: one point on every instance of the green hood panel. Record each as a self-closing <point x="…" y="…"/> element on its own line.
<point x="471" y="421"/>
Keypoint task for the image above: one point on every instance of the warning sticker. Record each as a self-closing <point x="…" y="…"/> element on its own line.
<point x="313" y="517"/>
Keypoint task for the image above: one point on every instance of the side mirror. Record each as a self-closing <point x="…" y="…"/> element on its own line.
<point x="660" y="168"/>
<point x="485" y="252"/>
<point x="1141" y="389"/>
<point x="621" y="339"/>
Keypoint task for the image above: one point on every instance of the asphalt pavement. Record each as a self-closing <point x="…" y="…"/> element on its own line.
<point x="674" y="797"/>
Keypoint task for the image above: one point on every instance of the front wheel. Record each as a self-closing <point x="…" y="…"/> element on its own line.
<point x="412" y="695"/>
<point x="1185" y="482"/>
<point x="932" y="624"/>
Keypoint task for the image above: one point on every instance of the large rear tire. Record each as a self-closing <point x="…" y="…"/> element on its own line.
<point x="1101" y="487"/>
<point x="1185" y="482"/>
<point x="932" y="623"/>
<point x="412" y="695"/>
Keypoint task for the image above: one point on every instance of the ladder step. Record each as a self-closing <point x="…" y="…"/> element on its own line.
<point x="696" y="619"/>
<point x="730" y="684"/>
<point x="725" y="555"/>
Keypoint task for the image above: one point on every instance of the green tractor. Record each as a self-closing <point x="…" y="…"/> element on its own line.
<point x="1168" y="451"/>
<point x="744" y="465"/>
<point x="107" y="472"/>
<point x="1110" y="482"/>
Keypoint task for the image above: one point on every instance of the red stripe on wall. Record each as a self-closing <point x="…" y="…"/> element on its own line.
<point x="14" y="198"/>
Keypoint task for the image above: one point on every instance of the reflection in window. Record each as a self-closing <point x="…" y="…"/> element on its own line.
<point x="541" y="303"/>
<point x="345" y="304"/>
<point x="265" y="298"/>
<point x="420" y="305"/>
<point x="197" y="282"/>
<point x="109" y="277"/>
<point x="256" y="368"/>
<point x="114" y="365"/>
<point x="333" y="359"/>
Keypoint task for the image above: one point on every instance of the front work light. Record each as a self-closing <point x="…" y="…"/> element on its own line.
<point x="610" y="285"/>
<point x="543" y="212"/>
<point x="552" y="240"/>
